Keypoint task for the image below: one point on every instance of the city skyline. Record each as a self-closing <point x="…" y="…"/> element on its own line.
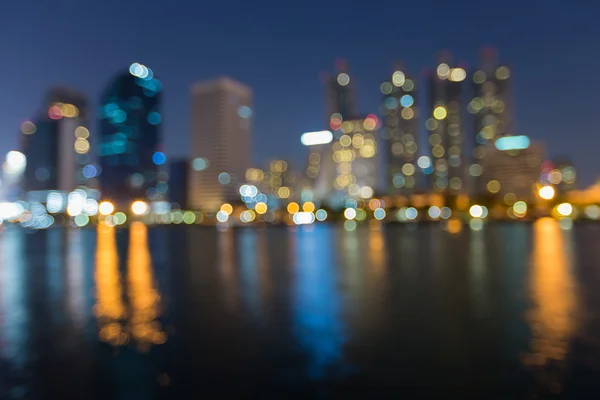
<point x="278" y="127"/>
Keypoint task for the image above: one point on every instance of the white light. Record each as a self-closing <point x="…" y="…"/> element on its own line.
<point x="350" y="213"/>
<point x="476" y="211"/>
<point x="547" y="192"/>
<point x="106" y="208"/>
<point x="10" y="211"/>
<point x="54" y="202"/>
<point x="424" y="162"/>
<point x="411" y="213"/>
<point x="314" y="138"/>
<point x="434" y="212"/>
<point x="200" y="164"/>
<point x="564" y="209"/>
<point x="75" y="202"/>
<point x="222" y="216"/>
<point x="139" y="207"/>
<point x="303" y="218"/>
<point x="90" y="207"/>
<point x="366" y="192"/>
<point x="343" y="79"/>
<point x="592" y="212"/>
<point x="457" y="74"/>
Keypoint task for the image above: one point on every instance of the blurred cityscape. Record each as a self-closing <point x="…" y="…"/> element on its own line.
<point x="80" y="167"/>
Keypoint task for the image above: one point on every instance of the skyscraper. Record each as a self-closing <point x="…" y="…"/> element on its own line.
<point x="56" y="145"/>
<point x="220" y="142"/>
<point x="492" y="108"/>
<point x="401" y="129"/>
<point x="129" y="148"/>
<point x="446" y="128"/>
<point x="339" y="96"/>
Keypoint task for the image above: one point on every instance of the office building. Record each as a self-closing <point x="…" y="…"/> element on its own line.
<point x="57" y="146"/>
<point x="446" y="127"/>
<point x="492" y="108"/>
<point x="220" y="142"/>
<point x="511" y="168"/>
<point x="339" y="96"/>
<point x="129" y="147"/>
<point x="400" y="131"/>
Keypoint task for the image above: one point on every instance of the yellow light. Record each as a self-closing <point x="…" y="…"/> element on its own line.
<point x="476" y="211"/>
<point x="227" y="208"/>
<point x="343" y="79"/>
<point x="439" y="113"/>
<point x="407" y="113"/>
<point x="139" y="207"/>
<point x="293" y="207"/>
<point x="457" y="74"/>
<point x="493" y="186"/>
<point x="345" y="140"/>
<point x="106" y="208"/>
<point x="309" y="206"/>
<point x="443" y="70"/>
<point x="454" y="225"/>
<point x="81" y="132"/>
<point x="81" y="146"/>
<point x="398" y="78"/>
<point x="260" y="207"/>
<point x="547" y="192"/>
<point x="564" y="209"/>
<point x="28" y="128"/>
<point x="283" y="192"/>
<point x="520" y="208"/>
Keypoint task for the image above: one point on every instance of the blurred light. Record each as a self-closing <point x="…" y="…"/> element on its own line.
<point x="565" y="209"/>
<point x="493" y="186"/>
<point x="379" y="214"/>
<point x="520" y="208"/>
<point x="512" y="143"/>
<point x="434" y="212"/>
<point x="10" y="211"/>
<point x="398" y="78"/>
<point x="308" y="206"/>
<point x="350" y="213"/>
<point x="28" y="128"/>
<point x="82" y="146"/>
<point x="424" y="162"/>
<point x="411" y="213"/>
<point x="90" y="207"/>
<point x="81" y="132"/>
<point x="283" y="192"/>
<point x="476" y="224"/>
<point x="119" y="218"/>
<point x="189" y="217"/>
<point x="247" y="216"/>
<point x="315" y="138"/>
<point x="293" y="208"/>
<point x="55" y="112"/>
<point x="81" y="220"/>
<point x="479" y="77"/>
<point x="439" y="113"/>
<point x="200" y="164"/>
<point x="592" y="211"/>
<point x="159" y="158"/>
<point x="106" y="208"/>
<point x="366" y="192"/>
<point x="54" y="202"/>
<point x="407" y="100"/>
<point x="386" y="88"/>
<point x="454" y="226"/>
<point x="443" y="70"/>
<point x="89" y="171"/>
<point x="244" y="112"/>
<point x="227" y="208"/>
<point x="502" y="73"/>
<point x="15" y="160"/>
<point x="224" y="178"/>
<point x="222" y="216"/>
<point x="303" y="218"/>
<point x="153" y="118"/>
<point x="457" y="75"/>
<point x="476" y="211"/>
<point x="321" y="215"/>
<point x="343" y="79"/>
<point x="445" y="212"/>
<point x="139" y="207"/>
<point x="547" y="192"/>
<point x="260" y="208"/>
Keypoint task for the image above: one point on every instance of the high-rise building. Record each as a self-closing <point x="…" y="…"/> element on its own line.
<point x="401" y="131"/>
<point x="57" y="147"/>
<point x="345" y="165"/>
<point x="129" y="133"/>
<point x="446" y="128"/>
<point x="220" y="142"/>
<point x="339" y="96"/>
<point x="511" y="168"/>
<point x="492" y="108"/>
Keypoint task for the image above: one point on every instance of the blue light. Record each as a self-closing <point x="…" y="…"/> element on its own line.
<point x="398" y="181"/>
<point x="154" y="118"/>
<point x="224" y="178"/>
<point x="89" y="171"/>
<point x="391" y="103"/>
<point x="119" y="116"/>
<point x="159" y="158"/>
<point x="407" y="100"/>
<point x="244" y="112"/>
<point x="512" y="143"/>
<point x="480" y="139"/>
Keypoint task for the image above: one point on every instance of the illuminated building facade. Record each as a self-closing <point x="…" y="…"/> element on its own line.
<point x="511" y="168"/>
<point x="561" y="173"/>
<point x="401" y="131"/>
<point x="446" y="137"/>
<point x="492" y="109"/>
<point x="57" y="147"/>
<point x="129" y="134"/>
<point x="220" y="142"/>
<point x="347" y="167"/>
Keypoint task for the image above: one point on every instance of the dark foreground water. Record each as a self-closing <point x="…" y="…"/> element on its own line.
<point x="512" y="311"/>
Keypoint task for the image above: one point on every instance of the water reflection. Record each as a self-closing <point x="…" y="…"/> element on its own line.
<point x="316" y="300"/>
<point x="109" y="308"/>
<point x="75" y="277"/>
<point x="554" y="316"/>
<point x="144" y="300"/>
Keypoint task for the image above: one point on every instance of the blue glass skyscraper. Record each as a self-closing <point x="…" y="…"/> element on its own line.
<point x="129" y="149"/>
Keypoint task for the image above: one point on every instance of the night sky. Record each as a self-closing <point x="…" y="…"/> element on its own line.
<point x="280" y="48"/>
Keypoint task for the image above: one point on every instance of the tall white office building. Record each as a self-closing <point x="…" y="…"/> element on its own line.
<point x="220" y="142"/>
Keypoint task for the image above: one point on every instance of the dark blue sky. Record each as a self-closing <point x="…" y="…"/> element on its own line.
<point x="279" y="49"/>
